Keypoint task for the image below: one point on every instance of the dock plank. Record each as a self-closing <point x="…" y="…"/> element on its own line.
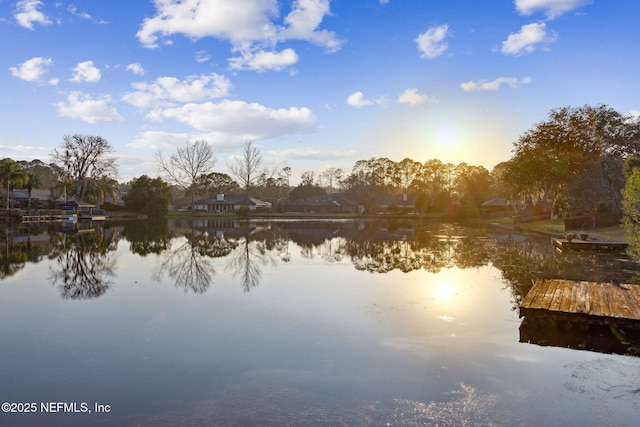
<point x="585" y="299"/>
<point x="565" y="303"/>
<point x="536" y="293"/>
<point x="547" y="298"/>
<point x="533" y="293"/>
<point x="594" y="297"/>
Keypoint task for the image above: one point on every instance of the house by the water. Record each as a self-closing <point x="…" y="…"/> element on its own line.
<point x="230" y="203"/>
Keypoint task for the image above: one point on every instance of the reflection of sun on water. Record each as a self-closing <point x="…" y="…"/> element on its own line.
<point x="445" y="291"/>
<point x="447" y="299"/>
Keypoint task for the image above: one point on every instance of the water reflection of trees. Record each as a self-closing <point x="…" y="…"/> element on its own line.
<point x="245" y="262"/>
<point x="84" y="263"/>
<point x="20" y="245"/>
<point x="151" y="236"/>
<point x="189" y="260"/>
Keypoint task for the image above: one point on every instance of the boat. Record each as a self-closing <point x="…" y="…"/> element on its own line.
<point x="70" y="217"/>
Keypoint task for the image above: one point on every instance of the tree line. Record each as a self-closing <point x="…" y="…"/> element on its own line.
<point x="571" y="162"/>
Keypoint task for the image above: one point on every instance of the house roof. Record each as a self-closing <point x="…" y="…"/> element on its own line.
<point x="233" y="199"/>
<point x="496" y="202"/>
<point x="396" y="199"/>
<point x="499" y="202"/>
<point x="35" y="194"/>
<point x="328" y="200"/>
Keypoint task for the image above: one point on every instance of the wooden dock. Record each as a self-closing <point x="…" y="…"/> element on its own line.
<point x="593" y="302"/>
<point x="589" y="245"/>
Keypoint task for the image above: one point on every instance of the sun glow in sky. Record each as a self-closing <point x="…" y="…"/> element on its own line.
<point x="313" y="83"/>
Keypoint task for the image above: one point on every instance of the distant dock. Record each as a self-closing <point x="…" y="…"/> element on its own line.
<point x="592" y="302"/>
<point x="589" y="245"/>
<point x="33" y="215"/>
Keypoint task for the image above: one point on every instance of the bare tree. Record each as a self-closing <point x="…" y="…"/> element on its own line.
<point x="188" y="163"/>
<point x="245" y="168"/>
<point x="84" y="158"/>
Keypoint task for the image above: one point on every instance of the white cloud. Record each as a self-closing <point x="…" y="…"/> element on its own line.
<point x="432" y="43"/>
<point x="27" y="14"/>
<point x="135" y="68"/>
<point x="262" y="60"/>
<point x="220" y="19"/>
<point x="358" y="100"/>
<point x="83" y="107"/>
<point x="16" y="147"/>
<point x="528" y="39"/>
<point x="412" y="97"/>
<point x="84" y="15"/>
<point x="494" y="85"/>
<point x="251" y="121"/>
<point x="304" y="20"/>
<point x="251" y="29"/>
<point x="158" y="140"/>
<point x="384" y="1"/>
<point x="552" y="8"/>
<point x="202" y="56"/>
<point x="169" y="90"/>
<point x="33" y="70"/>
<point x="86" y="72"/>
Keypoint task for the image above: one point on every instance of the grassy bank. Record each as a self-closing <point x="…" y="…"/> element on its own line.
<point x="556" y="228"/>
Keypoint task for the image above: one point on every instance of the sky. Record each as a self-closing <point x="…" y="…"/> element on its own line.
<point x="314" y="84"/>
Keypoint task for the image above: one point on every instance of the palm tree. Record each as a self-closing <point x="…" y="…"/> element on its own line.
<point x="11" y="175"/>
<point x="33" y="181"/>
<point x="102" y="187"/>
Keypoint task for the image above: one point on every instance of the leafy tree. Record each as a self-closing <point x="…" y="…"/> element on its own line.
<point x="246" y="167"/>
<point x="216" y="183"/>
<point x="44" y="176"/>
<point x="11" y="175"/>
<point x="102" y="187"/>
<point x="631" y="206"/>
<point x="83" y="158"/>
<point x="273" y="186"/>
<point x="473" y="185"/>
<point x="148" y="195"/>
<point x="307" y="189"/>
<point x="188" y="163"/>
<point x="554" y="155"/>
<point x="408" y="171"/>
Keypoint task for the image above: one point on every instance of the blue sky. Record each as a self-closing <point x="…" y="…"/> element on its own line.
<point x="313" y="83"/>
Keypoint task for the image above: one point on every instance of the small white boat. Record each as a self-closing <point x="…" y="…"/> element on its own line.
<point x="70" y="217"/>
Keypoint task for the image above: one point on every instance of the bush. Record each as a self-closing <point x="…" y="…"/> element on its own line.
<point x="243" y="212"/>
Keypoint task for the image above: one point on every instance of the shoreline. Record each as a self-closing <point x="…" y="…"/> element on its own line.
<point x="555" y="228"/>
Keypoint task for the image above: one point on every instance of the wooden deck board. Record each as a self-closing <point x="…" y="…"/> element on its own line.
<point x="596" y="305"/>
<point x="566" y="297"/>
<point x="547" y="298"/>
<point x="587" y="299"/>
<point x="538" y="290"/>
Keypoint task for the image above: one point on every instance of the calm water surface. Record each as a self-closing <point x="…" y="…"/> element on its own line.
<point x="294" y="323"/>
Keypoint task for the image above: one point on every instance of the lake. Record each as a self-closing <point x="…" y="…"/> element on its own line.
<point x="295" y="323"/>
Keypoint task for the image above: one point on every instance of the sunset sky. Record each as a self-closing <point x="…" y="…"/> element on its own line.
<point x="313" y="83"/>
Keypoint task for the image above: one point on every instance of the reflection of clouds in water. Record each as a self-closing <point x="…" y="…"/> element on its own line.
<point x="269" y="403"/>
